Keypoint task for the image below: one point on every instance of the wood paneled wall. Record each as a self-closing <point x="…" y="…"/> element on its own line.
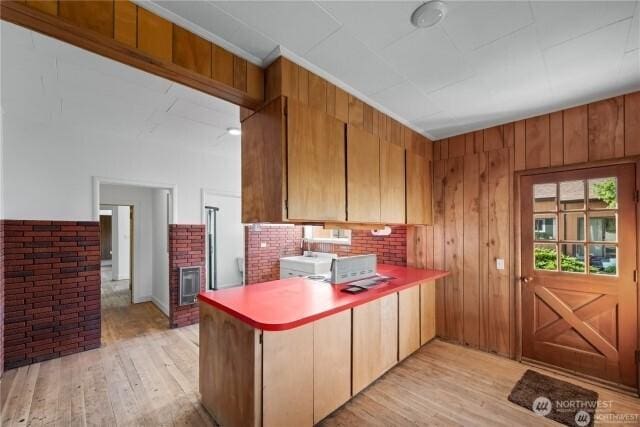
<point x="474" y="199"/>
<point x="286" y="78"/>
<point x="127" y="33"/>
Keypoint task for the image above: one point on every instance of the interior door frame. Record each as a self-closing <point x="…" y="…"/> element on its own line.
<point x="517" y="255"/>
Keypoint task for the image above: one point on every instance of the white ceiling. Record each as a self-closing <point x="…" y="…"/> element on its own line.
<point x="51" y="82"/>
<point x="487" y="63"/>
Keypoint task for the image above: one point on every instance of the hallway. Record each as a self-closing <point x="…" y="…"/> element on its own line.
<point x="122" y="320"/>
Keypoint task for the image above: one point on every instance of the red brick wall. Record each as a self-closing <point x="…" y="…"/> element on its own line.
<point x="390" y="249"/>
<point x="186" y="249"/>
<point x="52" y="289"/>
<point x="263" y="264"/>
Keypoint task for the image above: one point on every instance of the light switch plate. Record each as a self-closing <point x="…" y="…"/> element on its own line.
<point x="500" y="264"/>
<point x="263" y="244"/>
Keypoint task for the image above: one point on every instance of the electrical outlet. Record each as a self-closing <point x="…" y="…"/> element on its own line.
<point x="500" y="264"/>
<point x="263" y="244"/>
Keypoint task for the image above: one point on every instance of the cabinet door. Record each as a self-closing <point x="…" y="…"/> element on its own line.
<point x="331" y="363"/>
<point x="315" y="165"/>
<point x="427" y="312"/>
<point x="408" y="321"/>
<point x="263" y="167"/>
<point x="375" y="340"/>
<point x="392" y="184"/>
<point x="418" y="189"/>
<point x="287" y="377"/>
<point x="363" y="176"/>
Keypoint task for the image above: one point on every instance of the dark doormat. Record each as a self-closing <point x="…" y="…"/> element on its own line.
<point x="558" y="400"/>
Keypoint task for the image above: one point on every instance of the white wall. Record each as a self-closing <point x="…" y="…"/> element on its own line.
<point x="48" y="170"/>
<point x="120" y="242"/>
<point x="160" y="287"/>
<point x="230" y="239"/>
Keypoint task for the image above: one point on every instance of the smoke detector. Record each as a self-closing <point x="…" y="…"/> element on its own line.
<point x="429" y="14"/>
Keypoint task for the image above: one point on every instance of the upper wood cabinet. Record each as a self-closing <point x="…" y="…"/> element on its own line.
<point x="392" y="183"/>
<point x="316" y="165"/>
<point x="293" y="165"/>
<point x="363" y="176"/>
<point x="419" y="182"/>
<point x="317" y="154"/>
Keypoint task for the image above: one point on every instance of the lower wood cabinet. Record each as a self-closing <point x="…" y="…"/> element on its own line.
<point x="299" y="376"/>
<point x="375" y="340"/>
<point x="287" y="377"/>
<point x="408" y="321"/>
<point x="427" y="312"/>
<point x="331" y="363"/>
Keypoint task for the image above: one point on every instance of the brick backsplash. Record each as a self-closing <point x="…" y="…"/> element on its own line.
<point x="263" y="264"/>
<point x="391" y="249"/>
<point x="52" y="289"/>
<point x="186" y="249"/>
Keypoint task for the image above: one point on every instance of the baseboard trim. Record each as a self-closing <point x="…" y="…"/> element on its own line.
<point x="163" y="307"/>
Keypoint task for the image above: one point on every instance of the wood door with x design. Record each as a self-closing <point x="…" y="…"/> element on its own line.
<point x="579" y="303"/>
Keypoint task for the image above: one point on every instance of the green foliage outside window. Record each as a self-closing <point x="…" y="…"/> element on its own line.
<point x="606" y="191"/>
<point x="545" y="259"/>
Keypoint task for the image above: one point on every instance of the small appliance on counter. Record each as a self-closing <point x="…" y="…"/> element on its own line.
<point x="359" y="271"/>
<point x="310" y="264"/>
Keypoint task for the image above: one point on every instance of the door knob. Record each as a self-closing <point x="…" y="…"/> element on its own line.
<point x="526" y="280"/>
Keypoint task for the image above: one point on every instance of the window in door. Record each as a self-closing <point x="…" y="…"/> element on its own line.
<point x="576" y="226"/>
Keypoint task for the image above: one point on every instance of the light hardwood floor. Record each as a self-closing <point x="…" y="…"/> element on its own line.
<point x="152" y="379"/>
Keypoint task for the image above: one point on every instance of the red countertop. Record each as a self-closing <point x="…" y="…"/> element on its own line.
<point x="285" y="304"/>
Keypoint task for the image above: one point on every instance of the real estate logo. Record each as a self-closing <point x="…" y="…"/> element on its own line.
<point x="541" y="406"/>
<point x="582" y="418"/>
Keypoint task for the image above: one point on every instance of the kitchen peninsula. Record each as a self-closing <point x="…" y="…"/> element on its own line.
<point x="290" y="352"/>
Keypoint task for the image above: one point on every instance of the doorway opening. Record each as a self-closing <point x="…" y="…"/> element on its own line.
<point x="116" y="255"/>
<point x="135" y="259"/>
<point x="224" y="240"/>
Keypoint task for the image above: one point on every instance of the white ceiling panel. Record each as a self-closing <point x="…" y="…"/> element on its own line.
<point x="12" y="35"/>
<point x="345" y="57"/>
<point x="633" y="41"/>
<point x="407" y="101"/>
<point x="469" y="97"/>
<point x="629" y="79"/>
<point x="206" y="101"/>
<point x="299" y="25"/>
<point x="74" y="79"/>
<point x="474" y="24"/>
<point x="513" y="70"/>
<point x="428" y="58"/>
<point x="212" y="19"/>
<point x="365" y="19"/>
<point x="596" y="57"/>
<point x="559" y="21"/>
<point x="189" y="111"/>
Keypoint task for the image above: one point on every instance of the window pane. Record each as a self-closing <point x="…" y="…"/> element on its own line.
<point x="544" y="197"/>
<point x="603" y="259"/>
<point x="545" y="256"/>
<point x="572" y="226"/>
<point x="545" y="227"/>
<point x="603" y="193"/>
<point x="602" y="226"/>
<point x="572" y="257"/>
<point x="571" y="195"/>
